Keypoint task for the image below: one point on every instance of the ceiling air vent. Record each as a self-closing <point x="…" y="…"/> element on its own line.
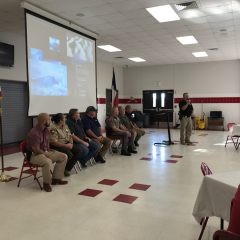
<point x="213" y="49"/>
<point x="119" y="57"/>
<point x="186" y="6"/>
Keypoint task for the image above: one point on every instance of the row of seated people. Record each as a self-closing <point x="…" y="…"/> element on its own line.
<point x="65" y="141"/>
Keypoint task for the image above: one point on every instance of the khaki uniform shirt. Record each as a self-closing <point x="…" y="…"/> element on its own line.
<point x="113" y="122"/>
<point x="126" y="122"/>
<point x="60" y="134"/>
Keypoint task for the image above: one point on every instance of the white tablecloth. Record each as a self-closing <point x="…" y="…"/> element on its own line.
<point x="215" y="195"/>
<point x="235" y="130"/>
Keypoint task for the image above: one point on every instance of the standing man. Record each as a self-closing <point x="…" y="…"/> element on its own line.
<point x="185" y="113"/>
<point x="38" y="145"/>
<point x="93" y="129"/>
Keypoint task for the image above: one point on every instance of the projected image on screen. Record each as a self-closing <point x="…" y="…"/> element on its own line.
<point x="54" y="44"/>
<point x="61" y="68"/>
<point x="79" y="49"/>
<point x="50" y="82"/>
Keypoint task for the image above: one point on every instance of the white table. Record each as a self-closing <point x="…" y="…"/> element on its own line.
<point x="215" y="195"/>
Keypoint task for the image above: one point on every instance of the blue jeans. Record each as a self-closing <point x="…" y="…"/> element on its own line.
<point x="89" y="152"/>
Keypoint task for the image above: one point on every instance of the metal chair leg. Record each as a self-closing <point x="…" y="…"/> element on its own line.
<point x="75" y="168"/>
<point x="222" y="224"/>
<point x="79" y="165"/>
<point x="203" y="228"/>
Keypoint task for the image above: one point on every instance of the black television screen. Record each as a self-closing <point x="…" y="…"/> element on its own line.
<point x="6" y="55"/>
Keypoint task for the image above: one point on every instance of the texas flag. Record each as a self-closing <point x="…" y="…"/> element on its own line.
<point x="1" y="96"/>
<point x="114" y="91"/>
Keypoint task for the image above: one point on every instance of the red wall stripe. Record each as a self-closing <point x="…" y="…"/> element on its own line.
<point x="121" y="101"/>
<point x="176" y="100"/>
<point x="212" y="100"/>
<point x="101" y="100"/>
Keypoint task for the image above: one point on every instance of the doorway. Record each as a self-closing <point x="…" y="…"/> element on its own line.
<point x="108" y="101"/>
<point x="156" y="103"/>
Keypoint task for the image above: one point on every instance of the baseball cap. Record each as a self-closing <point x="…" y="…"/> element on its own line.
<point x="91" y="109"/>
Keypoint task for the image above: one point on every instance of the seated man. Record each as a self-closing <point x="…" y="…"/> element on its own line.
<point x="140" y="132"/>
<point x="93" y="129"/>
<point x="89" y="147"/>
<point x="115" y="128"/>
<point x="42" y="155"/>
<point x="61" y="139"/>
<point x="128" y="125"/>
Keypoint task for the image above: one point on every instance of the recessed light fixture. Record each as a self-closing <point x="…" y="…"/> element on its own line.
<point x="186" y="40"/>
<point x="163" y="13"/>
<point x="137" y="59"/>
<point x="199" y="54"/>
<point x="109" y="48"/>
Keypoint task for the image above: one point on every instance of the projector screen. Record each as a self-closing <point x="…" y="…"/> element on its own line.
<point x="61" y="67"/>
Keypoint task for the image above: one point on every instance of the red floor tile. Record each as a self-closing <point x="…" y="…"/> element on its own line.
<point x="125" y="198"/>
<point x="138" y="186"/>
<point x="146" y="158"/>
<point x="90" y="192"/>
<point x="109" y="182"/>
<point x="176" y="156"/>
<point x="10" y="168"/>
<point x="171" y="161"/>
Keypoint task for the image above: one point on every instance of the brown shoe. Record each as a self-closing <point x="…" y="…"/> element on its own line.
<point x="47" y="187"/>
<point x="59" y="182"/>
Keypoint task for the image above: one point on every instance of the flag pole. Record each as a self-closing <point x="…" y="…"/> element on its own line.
<point x="3" y="176"/>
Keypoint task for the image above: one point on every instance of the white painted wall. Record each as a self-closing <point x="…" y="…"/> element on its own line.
<point x="210" y="79"/>
<point x="18" y="72"/>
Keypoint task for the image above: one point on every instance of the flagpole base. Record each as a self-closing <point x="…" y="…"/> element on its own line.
<point x="4" y="177"/>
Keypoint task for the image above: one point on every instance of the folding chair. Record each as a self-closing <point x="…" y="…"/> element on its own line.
<point x="77" y="167"/>
<point x="207" y="171"/>
<point x="232" y="138"/>
<point x="233" y="231"/>
<point x="27" y="167"/>
<point x="114" y="144"/>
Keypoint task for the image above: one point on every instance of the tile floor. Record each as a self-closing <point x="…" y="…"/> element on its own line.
<point x="163" y="211"/>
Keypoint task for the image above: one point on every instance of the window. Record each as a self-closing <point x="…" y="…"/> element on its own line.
<point x="163" y="96"/>
<point x="154" y="97"/>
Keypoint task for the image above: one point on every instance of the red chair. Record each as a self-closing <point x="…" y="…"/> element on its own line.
<point x="233" y="231"/>
<point x="27" y="167"/>
<point x="206" y="171"/>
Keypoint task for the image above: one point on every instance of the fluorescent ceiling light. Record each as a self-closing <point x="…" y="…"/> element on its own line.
<point x="199" y="54"/>
<point x="137" y="59"/>
<point x="186" y="40"/>
<point x="163" y="13"/>
<point x="179" y="7"/>
<point x="110" y="48"/>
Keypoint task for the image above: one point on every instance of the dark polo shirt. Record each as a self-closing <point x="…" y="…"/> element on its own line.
<point x="185" y="113"/>
<point x="92" y="124"/>
<point x="76" y="128"/>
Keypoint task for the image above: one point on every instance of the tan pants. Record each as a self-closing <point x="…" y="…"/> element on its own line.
<point x="46" y="161"/>
<point x="106" y="142"/>
<point x="140" y="132"/>
<point x="186" y="129"/>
